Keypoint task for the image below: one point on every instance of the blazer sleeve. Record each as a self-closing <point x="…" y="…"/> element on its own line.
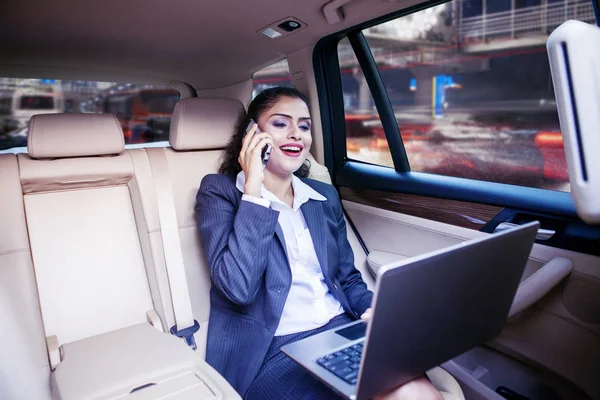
<point x="236" y="241"/>
<point x="350" y="279"/>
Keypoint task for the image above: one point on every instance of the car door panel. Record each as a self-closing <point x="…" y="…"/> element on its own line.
<point x="559" y="335"/>
<point x="550" y="349"/>
<point x="403" y="234"/>
<point x="460" y="213"/>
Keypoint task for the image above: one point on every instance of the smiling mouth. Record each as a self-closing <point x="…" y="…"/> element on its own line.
<point x="292" y="151"/>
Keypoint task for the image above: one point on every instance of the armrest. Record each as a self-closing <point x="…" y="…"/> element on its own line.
<point x="377" y="258"/>
<point x="532" y="289"/>
<point x="140" y="362"/>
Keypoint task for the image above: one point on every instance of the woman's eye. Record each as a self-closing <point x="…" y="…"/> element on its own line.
<point x="304" y="128"/>
<point x="279" y="124"/>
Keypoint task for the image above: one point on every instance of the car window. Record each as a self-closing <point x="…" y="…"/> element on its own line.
<point x="365" y="138"/>
<point x="277" y="74"/>
<point x="144" y="111"/>
<point x="470" y="85"/>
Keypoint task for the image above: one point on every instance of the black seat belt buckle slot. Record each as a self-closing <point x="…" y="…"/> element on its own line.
<point x="187" y="334"/>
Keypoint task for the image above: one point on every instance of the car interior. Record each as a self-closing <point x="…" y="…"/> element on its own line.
<point x="100" y="253"/>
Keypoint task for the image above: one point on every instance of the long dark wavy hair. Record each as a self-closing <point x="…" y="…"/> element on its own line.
<point x="261" y="104"/>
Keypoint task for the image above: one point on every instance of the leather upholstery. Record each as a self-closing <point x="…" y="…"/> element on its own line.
<point x="88" y="262"/>
<point x="203" y="123"/>
<point x="152" y="357"/>
<point x="24" y="368"/>
<point x="39" y="176"/>
<point x="74" y="135"/>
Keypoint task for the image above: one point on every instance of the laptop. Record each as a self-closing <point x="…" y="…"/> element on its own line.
<point x="426" y="310"/>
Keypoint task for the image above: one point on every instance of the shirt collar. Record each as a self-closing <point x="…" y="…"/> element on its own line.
<point x="302" y="192"/>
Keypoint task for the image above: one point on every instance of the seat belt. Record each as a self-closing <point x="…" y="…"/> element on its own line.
<point x="185" y="324"/>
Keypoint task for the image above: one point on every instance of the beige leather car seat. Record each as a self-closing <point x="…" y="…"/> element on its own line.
<point x="89" y="245"/>
<point x="88" y="262"/>
<point x="200" y="129"/>
<point x="24" y="367"/>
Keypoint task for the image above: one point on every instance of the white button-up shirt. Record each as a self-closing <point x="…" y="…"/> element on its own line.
<point x="309" y="304"/>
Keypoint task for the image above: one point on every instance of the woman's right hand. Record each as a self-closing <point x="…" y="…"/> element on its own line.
<point x="251" y="161"/>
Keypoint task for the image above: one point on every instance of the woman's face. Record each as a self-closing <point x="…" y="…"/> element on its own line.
<point x="289" y="124"/>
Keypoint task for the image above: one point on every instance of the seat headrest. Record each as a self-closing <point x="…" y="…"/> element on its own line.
<point x="74" y="135"/>
<point x="203" y="123"/>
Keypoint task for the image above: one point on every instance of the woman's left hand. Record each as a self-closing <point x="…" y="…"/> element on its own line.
<point x="367" y="314"/>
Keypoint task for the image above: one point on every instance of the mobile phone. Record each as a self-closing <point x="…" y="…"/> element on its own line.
<point x="266" y="151"/>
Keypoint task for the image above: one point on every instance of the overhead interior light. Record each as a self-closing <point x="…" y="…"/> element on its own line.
<point x="271" y="33"/>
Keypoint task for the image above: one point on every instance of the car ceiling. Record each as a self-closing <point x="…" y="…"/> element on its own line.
<point x="208" y="44"/>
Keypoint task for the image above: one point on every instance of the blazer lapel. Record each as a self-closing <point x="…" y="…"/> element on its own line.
<point x="313" y="215"/>
<point x="279" y="234"/>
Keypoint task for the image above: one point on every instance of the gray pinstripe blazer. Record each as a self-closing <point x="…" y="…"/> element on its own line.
<point x="245" y="249"/>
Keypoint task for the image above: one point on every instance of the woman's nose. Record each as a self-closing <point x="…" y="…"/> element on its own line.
<point x="294" y="133"/>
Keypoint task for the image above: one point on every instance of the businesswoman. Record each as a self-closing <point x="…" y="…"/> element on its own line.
<point x="280" y="263"/>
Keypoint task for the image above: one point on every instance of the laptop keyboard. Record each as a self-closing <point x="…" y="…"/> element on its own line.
<point x="344" y="363"/>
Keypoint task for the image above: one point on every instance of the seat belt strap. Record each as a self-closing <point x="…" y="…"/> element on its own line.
<point x="185" y="325"/>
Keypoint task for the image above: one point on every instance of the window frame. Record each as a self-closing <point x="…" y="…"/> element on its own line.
<point x="382" y="101"/>
<point x="329" y="88"/>
<point x="358" y="174"/>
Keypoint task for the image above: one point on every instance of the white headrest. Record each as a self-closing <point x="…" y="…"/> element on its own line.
<point x="203" y="123"/>
<point x="74" y="135"/>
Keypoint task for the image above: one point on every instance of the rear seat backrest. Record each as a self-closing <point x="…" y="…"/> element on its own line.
<point x="84" y="240"/>
<point x="24" y="369"/>
<point x="200" y="129"/>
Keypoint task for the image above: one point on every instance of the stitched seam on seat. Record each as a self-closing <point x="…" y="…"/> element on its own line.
<point x="74" y="189"/>
<point x="111" y="182"/>
<point x="23" y="250"/>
